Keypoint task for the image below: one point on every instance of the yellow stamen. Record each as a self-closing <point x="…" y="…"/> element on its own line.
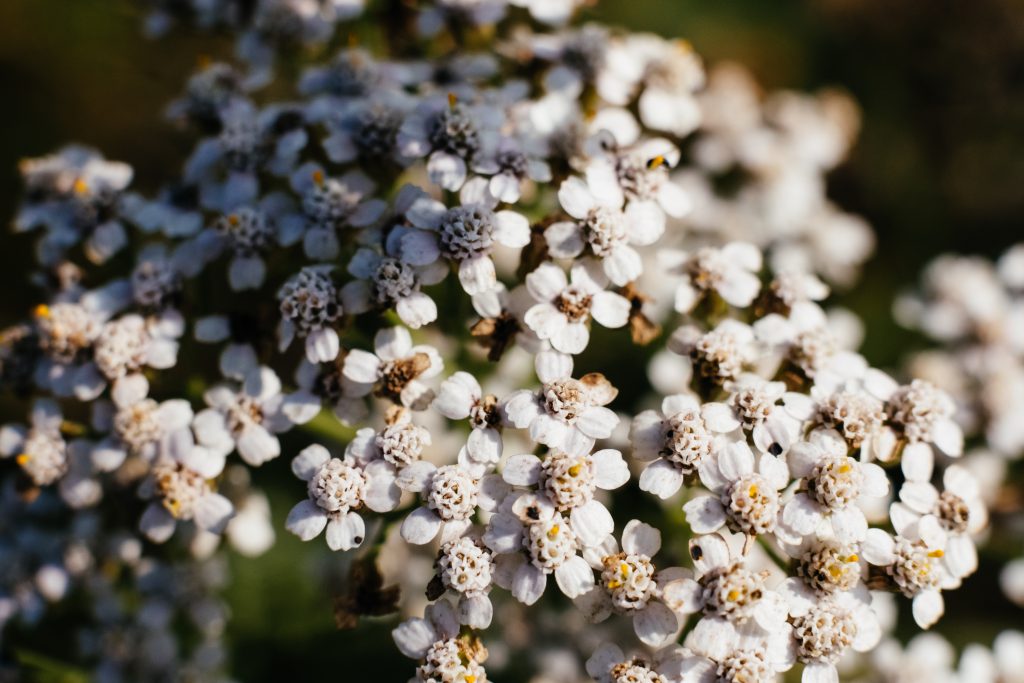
<point x="574" y="471"/>
<point x="81" y="187"/>
<point x="852" y="558"/>
<point x="453" y="99"/>
<point x="733" y="596"/>
<point x="752" y="491"/>
<point x="233" y="220"/>
<point x="624" y="569"/>
<point x="834" y="571"/>
<point x="656" y="162"/>
<point x="23" y="458"/>
<point x="845" y="467"/>
<point x="318" y="177"/>
<point x="42" y="311"/>
<point x="936" y="553"/>
<point x="470" y="678"/>
<point x="553" y="531"/>
<point x="613" y="584"/>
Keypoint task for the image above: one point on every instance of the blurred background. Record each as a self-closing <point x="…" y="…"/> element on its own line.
<point x="939" y="167"/>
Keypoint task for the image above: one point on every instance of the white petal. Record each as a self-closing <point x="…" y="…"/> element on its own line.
<point x="610" y="469"/>
<point x="345" y="533"/>
<point x="306" y="520"/>
<point x="574" y="577"/>
<point x="421" y="526"/>
<point x="655" y="624"/>
<point x="522" y="470"/>
<point x="213" y="512"/>
<point x="661" y="478"/>
<point x="704" y="514"/>
<point x="592" y="523"/>
<point x="641" y="538"/>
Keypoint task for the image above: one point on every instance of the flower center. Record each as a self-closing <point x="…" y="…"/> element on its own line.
<point x="338" y="486"/>
<point x="568" y="479"/>
<point x="830" y="568"/>
<point x="574" y="303"/>
<point x="44" y="456"/>
<point x="629" y="580"/>
<point x="564" y="399"/>
<point x="137" y="425"/>
<point x="453" y="493"/>
<point x="467" y="231"/>
<point x="454" y="131"/>
<point x="179" y="488"/>
<point x="550" y="544"/>
<point x="835" y="483"/>
<point x="856" y="416"/>
<point x="914" y="568"/>
<point x="752" y="504"/>
<point x="248" y="229"/>
<point x="310" y="300"/>
<point x="402" y="443"/>
<point x="604" y="229"/>
<point x="732" y="592"/>
<point x="687" y="441"/>
<point x="824" y="633"/>
<point x="465" y="566"/>
<point x="122" y="346"/>
<point x="953" y="512"/>
<point x="393" y="281"/>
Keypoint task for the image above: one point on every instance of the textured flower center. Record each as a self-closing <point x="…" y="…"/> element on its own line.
<point x="454" y="131"/>
<point x="447" y="661"/>
<point x="604" y="229"/>
<point x="137" y="425"/>
<point x="716" y="356"/>
<point x="402" y="443"/>
<point x="811" y="349"/>
<point x="338" y="486"/>
<point x="824" y="633"/>
<point x="179" y="488"/>
<point x="550" y="544"/>
<point x="568" y="479"/>
<point x="65" y="330"/>
<point x="953" y="512"/>
<point x="393" y="281"/>
<point x="453" y="493"/>
<point x="914" y="568"/>
<point x="565" y="399"/>
<point x="706" y="268"/>
<point x="512" y="162"/>
<point x="752" y="504"/>
<point x="640" y="180"/>
<point x="309" y="299"/>
<point x="745" y="666"/>
<point x="753" y="404"/>
<point x="917" y="408"/>
<point x="467" y="231"/>
<point x="245" y="411"/>
<point x="155" y="283"/>
<point x="241" y="142"/>
<point x="732" y="592"/>
<point x="635" y="671"/>
<point x="829" y="568"/>
<point x="465" y="566"/>
<point x="574" y="303"/>
<point x="329" y="203"/>
<point x="835" y="482"/>
<point x="687" y="441"/>
<point x="629" y="580"/>
<point x="44" y="456"/>
<point x="248" y="229"/>
<point x="376" y="133"/>
<point x="121" y="347"/>
<point x="856" y="416"/>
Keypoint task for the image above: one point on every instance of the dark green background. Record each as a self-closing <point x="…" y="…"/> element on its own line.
<point x="939" y="166"/>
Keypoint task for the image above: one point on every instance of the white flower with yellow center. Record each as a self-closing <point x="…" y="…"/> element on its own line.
<point x="434" y="641"/>
<point x="338" y="489"/>
<point x="833" y="485"/>
<point x="913" y="563"/>
<point x="746" y="497"/>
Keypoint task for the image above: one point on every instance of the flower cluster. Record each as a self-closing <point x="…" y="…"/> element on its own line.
<point x="423" y="247"/>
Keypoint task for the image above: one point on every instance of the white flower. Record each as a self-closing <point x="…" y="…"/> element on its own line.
<point x="40" y="450"/>
<point x="569" y="482"/>
<point x="723" y="651"/>
<point x="182" y="493"/>
<point x="564" y="308"/>
<point x="434" y="641"/>
<point x="600" y="225"/>
<point x="400" y="443"/>
<point x="451" y="133"/>
<point x="460" y="397"/>
<point x="834" y="485"/>
<point x="509" y="168"/>
<point x="825" y="628"/>
<point x="752" y="406"/>
<point x="747" y="497"/>
<point x="387" y="281"/>
<point x="718" y="355"/>
<point x="567" y="413"/>
<point x="338" y="488"/>
<point x="730" y="271"/>
<point x="724" y="588"/>
<point x="250" y="415"/>
<point x="394" y="370"/>
<point x="310" y="307"/>
<point x="450" y="494"/>
<point x="911" y="561"/>
<point x="330" y="204"/>
<point x="464" y="566"/>
<point x="532" y="540"/>
<point x="631" y="585"/>
<point x="674" y="441"/>
<point x="609" y="664"/>
<point x="464" y="234"/>
<point x="923" y="414"/>
<point x="958" y="508"/>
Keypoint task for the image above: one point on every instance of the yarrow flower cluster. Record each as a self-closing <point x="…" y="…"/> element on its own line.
<point x="456" y="256"/>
